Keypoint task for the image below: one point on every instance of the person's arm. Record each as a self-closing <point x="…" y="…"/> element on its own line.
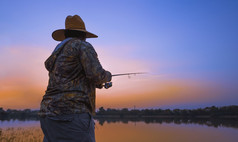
<point x="91" y="65"/>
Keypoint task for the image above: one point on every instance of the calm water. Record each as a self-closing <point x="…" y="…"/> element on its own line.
<point x="128" y="131"/>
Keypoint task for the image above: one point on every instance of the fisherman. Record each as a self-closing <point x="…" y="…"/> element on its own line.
<point x="74" y="73"/>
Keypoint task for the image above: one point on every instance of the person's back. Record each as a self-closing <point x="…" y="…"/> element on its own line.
<point x="74" y="73"/>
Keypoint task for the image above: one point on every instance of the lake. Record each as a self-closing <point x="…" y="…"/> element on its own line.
<point x="129" y="131"/>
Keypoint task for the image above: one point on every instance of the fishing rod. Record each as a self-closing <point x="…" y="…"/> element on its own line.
<point x="109" y="84"/>
<point x="133" y="73"/>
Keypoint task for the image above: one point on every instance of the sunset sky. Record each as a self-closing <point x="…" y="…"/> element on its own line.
<point x="188" y="47"/>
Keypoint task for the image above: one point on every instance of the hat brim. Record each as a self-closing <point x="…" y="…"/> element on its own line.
<point x="58" y="35"/>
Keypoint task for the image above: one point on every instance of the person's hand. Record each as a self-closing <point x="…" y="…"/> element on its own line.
<point x="99" y="86"/>
<point x="109" y="76"/>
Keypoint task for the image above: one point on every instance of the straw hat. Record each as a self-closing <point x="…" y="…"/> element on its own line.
<point x="72" y="23"/>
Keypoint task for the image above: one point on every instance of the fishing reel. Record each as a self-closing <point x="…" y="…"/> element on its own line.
<point x="107" y="85"/>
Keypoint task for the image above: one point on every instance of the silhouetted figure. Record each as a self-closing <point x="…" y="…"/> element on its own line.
<point x="74" y="72"/>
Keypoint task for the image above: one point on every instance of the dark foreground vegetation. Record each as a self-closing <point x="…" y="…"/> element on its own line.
<point x="226" y="116"/>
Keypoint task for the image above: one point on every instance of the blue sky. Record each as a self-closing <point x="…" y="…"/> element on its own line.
<point x="184" y="39"/>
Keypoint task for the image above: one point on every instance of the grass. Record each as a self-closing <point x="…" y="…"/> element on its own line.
<point x="21" y="134"/>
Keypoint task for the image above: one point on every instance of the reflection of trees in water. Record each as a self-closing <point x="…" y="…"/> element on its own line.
<point x="20" y="118"/>
<point x="225" y="122"/>
<point x="212" y="122"/>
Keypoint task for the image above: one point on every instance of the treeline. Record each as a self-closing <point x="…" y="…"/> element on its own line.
<point x="225" y="111"/>
<point x="26" y="114"/>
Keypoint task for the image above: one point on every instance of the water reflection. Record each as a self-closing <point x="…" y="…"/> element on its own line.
<point x="156" y="132"/>
<point x="211" y="122"/>
<point x="135" y="130"/>
<point x="225" y="122"/>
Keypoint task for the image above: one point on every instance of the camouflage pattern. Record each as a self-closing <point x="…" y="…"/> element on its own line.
<point x="74" y="73"/>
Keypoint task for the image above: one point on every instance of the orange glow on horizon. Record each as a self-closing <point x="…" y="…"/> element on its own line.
<point x="24" y="80"/>
<point x="155" y="93"/>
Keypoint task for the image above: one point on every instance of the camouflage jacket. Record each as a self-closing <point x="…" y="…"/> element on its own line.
<point x="74" y="73"/>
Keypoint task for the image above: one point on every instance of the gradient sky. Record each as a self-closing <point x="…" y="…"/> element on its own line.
<point x="189" y="48"/>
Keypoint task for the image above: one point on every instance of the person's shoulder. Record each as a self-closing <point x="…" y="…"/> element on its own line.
<point x="88" y="48"/>
<point x="86" y="45"/>
<point x="75" y="43"/>
<point x="80" y="44"/>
